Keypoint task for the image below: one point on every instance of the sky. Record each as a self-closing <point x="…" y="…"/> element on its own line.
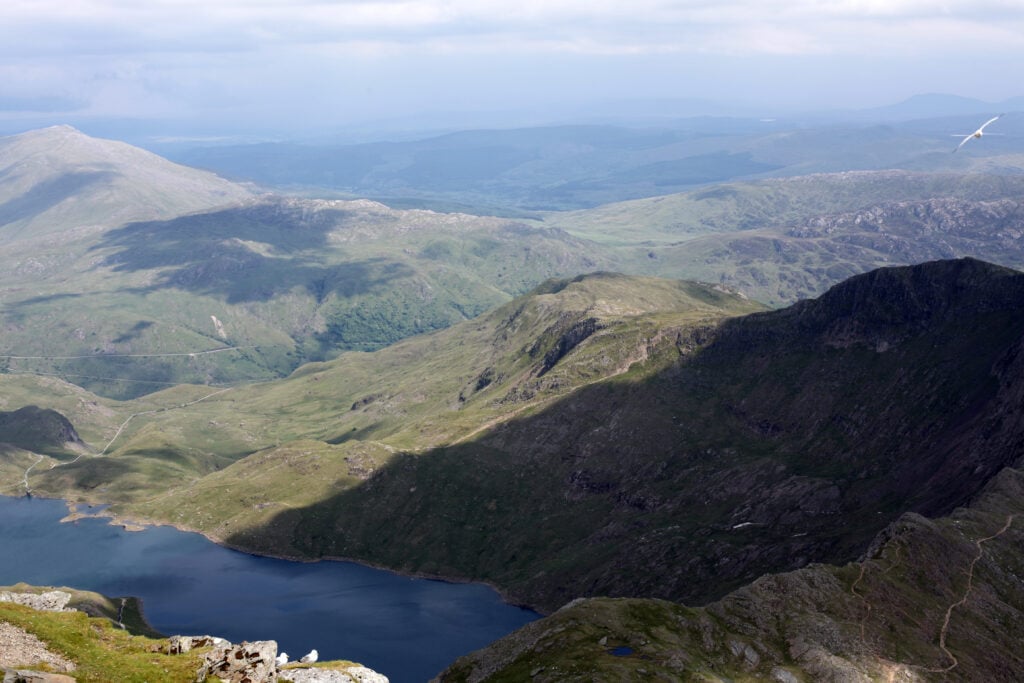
<point x="293" y="67"/>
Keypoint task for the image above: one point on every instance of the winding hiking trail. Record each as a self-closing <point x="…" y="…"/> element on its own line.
<point x="944" y="631"/>
<point x="29" y="469"/>
<point x="153" y="412"/>
<point x="967" y="592"/>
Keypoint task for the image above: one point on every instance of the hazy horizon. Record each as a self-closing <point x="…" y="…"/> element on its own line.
<point x="271" y="68"/>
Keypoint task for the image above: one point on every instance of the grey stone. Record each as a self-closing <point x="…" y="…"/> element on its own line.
<point x="244" y="663"/>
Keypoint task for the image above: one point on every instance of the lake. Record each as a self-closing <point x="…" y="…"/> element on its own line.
<point x="407" y="629"/>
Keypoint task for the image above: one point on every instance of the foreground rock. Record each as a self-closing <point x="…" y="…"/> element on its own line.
<point x="22" y="652"/>
<point x="51" y="601"/>
<point x="245" y="663"/>
<point x="354" y="674"/>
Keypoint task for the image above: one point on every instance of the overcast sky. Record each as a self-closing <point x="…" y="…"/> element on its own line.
<point x="285" y="65"/>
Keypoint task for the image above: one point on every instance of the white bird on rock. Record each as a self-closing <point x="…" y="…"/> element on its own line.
<point x="976" y="134"/>
<point x="282" y="659"/>
<point x="310" y="658"/>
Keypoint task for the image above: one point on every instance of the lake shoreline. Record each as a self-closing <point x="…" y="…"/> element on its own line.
<point x="405" y="626"/>
<point x="136" y="524"/>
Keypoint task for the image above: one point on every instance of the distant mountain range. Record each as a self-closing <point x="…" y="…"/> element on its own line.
<point x="520" y="172"/>
<point x="125" y="273"/>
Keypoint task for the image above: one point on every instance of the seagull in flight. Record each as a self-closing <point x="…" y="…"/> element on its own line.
<point x="976" y="134"/>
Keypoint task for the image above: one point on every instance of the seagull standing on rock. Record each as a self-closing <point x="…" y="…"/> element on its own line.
<point x="282" y="659"/>
<point x="310" y="658"/>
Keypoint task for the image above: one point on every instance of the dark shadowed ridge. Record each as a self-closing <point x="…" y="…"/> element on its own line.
<point x="769" y="442"/>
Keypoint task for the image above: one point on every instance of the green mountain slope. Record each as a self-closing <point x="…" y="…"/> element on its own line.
<point x="124" y="273"/>
<point x="127" y="281"/>
<point x="330" y="425"/>
<point x="59" y="184"/>
<point x="757" y="445"/>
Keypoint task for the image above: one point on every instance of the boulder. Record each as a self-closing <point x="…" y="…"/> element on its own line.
<point x="26" y="676"/>
<point x="244" y="663"/>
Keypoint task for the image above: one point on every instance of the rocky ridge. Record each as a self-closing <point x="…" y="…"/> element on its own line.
<point x="930" y="600"/>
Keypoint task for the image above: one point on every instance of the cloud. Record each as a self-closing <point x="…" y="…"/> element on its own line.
<point x="367" y="58"/>
<point x="603" y="26"/>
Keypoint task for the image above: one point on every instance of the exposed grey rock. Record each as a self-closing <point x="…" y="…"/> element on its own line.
<point x="51" y="601"/>
<point x="355" y="674"/>
<point x="26" y="676"/>
<point x="783" y="676"/>
<point x="244" y="663"/>
<point x="18" y="647"/>
<point x="177" y="645"/>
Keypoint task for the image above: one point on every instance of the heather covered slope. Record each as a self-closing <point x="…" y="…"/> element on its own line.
<point x="756" y="445"/>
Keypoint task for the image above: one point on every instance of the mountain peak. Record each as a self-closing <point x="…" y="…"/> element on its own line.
<point x="59" y="178"/>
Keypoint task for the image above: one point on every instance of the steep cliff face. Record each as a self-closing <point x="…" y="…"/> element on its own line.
<point x="758" y="445"/>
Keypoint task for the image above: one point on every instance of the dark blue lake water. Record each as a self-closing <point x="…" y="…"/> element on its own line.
<point x="408" y="629"/>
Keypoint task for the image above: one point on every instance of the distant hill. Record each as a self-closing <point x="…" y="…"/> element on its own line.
<point x="780" y="240"/>
<point x="120" y="270"/>
<point x="58" y="181"/>
<point x="518" y="172"/>
<point x="143" y="277"/>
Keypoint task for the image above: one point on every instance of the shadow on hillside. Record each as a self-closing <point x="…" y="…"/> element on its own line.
<point x="49" y="194"/>
<point x="794" y="436"/>
<point x="249" y="253"/>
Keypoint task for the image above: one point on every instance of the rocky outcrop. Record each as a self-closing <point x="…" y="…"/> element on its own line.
<point x="244" y="663"/>
<point x="40" y="430"/>
<point x="178" y="645"/>
<point x="51" y="601"/>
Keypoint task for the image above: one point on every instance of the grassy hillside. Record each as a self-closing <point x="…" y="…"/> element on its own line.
<point x="330" y="425"/>
<point x="758" y="445"/>
<point x="59" y="182"/>
<point x="123" y="292"/>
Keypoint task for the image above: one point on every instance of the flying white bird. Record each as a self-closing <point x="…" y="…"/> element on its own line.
<point x="310" y="658"/>
<point x="282" y="659"/>
<point x="976" y="134"/>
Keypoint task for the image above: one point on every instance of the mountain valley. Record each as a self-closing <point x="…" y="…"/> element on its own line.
<point x="790" y="404"/>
